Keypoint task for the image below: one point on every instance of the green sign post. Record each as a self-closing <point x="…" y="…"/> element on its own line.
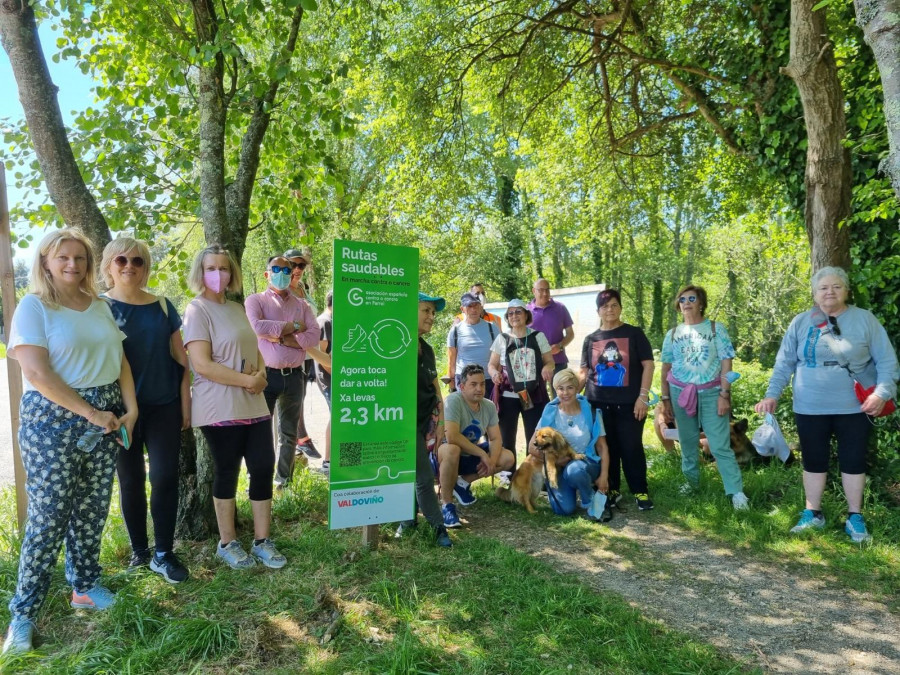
<point x="373" y="385"/>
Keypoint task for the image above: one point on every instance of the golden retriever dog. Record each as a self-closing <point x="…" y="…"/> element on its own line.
<point x="526" y="482"/>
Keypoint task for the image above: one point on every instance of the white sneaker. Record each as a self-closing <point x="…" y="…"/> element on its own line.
<point x="740" y="501"/>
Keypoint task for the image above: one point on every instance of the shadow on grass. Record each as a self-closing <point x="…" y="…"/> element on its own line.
<point x="409" y="607"/>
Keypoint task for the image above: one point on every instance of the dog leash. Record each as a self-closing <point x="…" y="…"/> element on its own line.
<point x="550" y="494"/>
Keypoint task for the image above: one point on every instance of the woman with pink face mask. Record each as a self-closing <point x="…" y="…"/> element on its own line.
<point x="228" y="404"/>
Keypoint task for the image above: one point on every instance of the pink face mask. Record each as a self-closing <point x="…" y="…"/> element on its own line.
<point x="216" y="280"/>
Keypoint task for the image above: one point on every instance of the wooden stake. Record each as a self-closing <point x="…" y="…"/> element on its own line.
<point x="370" y="536"/>
<point x="13" y="372"/>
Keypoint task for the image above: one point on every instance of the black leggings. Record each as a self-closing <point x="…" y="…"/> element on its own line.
<point x="624" y="437"/>
<point x="510" y="409"/>
<point x="229" y="445"/>
<point x="852" y="434"/>
<point x="159" y="429"/>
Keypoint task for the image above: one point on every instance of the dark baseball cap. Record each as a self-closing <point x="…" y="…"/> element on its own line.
<point x="469" y="299"/>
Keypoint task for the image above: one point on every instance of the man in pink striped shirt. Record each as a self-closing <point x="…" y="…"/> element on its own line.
<point x="285" y="326"/>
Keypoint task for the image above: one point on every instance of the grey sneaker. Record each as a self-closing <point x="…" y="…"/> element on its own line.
<point x="268" y="555"/>
<point x="740" y="502"/>
<point x="234" y="555"/>
<point x="18" y="637"/>
<point x="687" y="489"/>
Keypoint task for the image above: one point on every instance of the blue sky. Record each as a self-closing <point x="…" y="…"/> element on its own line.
<point x="74" y="95"/>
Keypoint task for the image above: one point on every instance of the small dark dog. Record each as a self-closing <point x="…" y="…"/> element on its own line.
<point x="744" y="452"/>
<point x="526" y="482"/>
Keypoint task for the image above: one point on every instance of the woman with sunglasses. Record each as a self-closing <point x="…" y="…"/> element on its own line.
<point x="521" y="361"/>
<point x="696" y="359"/>
<point x="823" y="350"/>
<point x="159" y="364"/>
<point x="78" y="394"/>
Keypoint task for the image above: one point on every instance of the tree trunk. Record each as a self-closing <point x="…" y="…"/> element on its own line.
<point x="196" y="516"/>
<point x="732" y="303"/>
<point x="559" y="277"/>
<point x="37" y="93"/>
<point x="597" y="261"/>
<point x="638" y="284"/>
<point x="828" y="178"/>
<point x="656" y="322"/>
<point x="880" y="23"/>
<point x="213" y="116"/>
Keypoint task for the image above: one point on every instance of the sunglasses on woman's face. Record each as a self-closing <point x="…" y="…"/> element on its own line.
<point x="687" y="298"/>
<point x="278" y="269"/>
<point x="121" y="261"/>
<point x="300" y="266"/>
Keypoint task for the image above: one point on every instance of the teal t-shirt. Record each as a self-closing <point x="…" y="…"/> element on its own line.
<point x="694" y="353"/>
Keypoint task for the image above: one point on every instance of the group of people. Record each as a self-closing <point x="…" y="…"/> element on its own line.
<point x="108" y="375"/>
<point x="843" y="375"/>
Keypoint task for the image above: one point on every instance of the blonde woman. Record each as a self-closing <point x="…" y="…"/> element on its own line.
<point x="228" y="403"/>
<point x="159" y="364"/>
<point x="79" y="393"/>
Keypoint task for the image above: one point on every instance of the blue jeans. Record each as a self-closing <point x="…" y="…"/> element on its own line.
<point x="576" y="476"/>
<point x="718" y="432"/>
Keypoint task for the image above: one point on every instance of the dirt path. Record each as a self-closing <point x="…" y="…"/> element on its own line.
<point x="743" y="606"/>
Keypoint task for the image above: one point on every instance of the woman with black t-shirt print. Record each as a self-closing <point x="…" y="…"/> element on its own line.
<point x="617" y="367"/>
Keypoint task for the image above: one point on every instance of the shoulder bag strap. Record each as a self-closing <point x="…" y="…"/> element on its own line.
<point x="820" y="321"/>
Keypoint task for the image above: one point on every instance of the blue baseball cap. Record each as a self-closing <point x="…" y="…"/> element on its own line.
<point x="439" y="302"/>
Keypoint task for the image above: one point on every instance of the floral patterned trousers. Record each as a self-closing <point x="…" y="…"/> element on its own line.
<point x="69" y="489"/>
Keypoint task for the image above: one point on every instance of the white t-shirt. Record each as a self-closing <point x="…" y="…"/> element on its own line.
<point x="524" y="365"/>
<point x="232" y="342"/>
<point x="85" y="348"/>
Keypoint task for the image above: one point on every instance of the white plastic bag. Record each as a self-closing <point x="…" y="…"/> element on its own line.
<point x="769" y="441"/>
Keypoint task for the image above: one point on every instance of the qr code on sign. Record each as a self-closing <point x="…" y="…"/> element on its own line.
<point x="351" y="454"/>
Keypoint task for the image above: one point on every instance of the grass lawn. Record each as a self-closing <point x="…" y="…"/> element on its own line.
<point x="409" y="607"/>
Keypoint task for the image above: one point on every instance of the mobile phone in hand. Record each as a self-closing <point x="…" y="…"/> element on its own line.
<point x="123" y="432"/>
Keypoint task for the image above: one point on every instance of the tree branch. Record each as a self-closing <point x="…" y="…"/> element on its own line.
<point x="37" y="93"/>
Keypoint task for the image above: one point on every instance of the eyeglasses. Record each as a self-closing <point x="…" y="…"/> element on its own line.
<point x="300" y="266"/>
<point x="121" y="261"/>
<point x="515" y="311"/>
<point x="687" y="298"/>
<point x="611" y="305"/>
<point x="834" y="327"/>
<point x="278" y="269"/>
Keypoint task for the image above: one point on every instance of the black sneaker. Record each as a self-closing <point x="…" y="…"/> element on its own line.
<point x="615" y="499"/>
<point x="169" y="568"/>
<point x="442" y="538"/>
<point x="309" y="449"/>
<point x="607" y="514"/>
<point x="140" y="558"/>
<point x="643" y="501"/>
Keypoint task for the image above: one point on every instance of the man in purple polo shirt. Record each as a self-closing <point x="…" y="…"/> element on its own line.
<point x="553" y="320"/>
<point x="285" y="326"/>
